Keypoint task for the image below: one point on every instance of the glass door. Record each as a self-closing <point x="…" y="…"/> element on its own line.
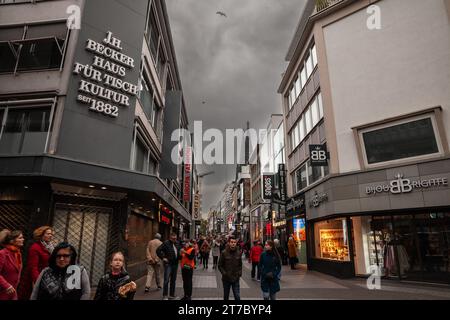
<point x="432" y="233"/>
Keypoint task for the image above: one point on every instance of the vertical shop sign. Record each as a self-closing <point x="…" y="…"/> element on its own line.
<point x="187" y="174"/>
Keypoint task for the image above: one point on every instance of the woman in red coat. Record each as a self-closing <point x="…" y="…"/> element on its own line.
<point x="10" y="263"/>
<point x="37" y="260"/>
<point x="255" y="254"/>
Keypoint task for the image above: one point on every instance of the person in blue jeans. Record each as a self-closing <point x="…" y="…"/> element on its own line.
<point x="270" y="266"/>
<point x="230" y="266"/>
<point x="169" y="253"/>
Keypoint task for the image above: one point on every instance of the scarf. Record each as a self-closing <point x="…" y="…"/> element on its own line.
<point x="17" y="254"/>
<point x="49" y="246"/>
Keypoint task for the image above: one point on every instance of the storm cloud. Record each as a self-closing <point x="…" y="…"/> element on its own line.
<point x="231" y="67"/>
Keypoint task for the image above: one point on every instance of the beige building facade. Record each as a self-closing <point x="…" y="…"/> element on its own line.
<point x="374" y="79"/>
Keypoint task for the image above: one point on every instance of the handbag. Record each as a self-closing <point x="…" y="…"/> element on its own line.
<point x="269" y="276"/>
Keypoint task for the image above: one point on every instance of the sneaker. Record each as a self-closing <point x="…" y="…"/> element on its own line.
<point x="173" y="298"/>
<point x="147" y="290"/>
<point x="259" y="280"/>
<point x="159" y="288"/>
<point x="165" y="298"/>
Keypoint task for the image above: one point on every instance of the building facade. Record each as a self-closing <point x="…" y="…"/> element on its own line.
<point x="383" y="202"/>
<point x="86" y="91"/>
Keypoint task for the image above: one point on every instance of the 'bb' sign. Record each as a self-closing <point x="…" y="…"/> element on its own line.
<point x="318" y="155"/>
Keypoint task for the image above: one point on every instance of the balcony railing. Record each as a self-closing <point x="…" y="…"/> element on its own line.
<point x="324" y="4"/>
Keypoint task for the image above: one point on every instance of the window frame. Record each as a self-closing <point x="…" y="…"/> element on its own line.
<point x="24" y="39"/>
<point x="307" y="165"/>
<point x="29" y="105"/>
<point x="406" y="119"/>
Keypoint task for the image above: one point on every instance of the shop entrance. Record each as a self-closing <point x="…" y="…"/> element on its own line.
<point x="407" y="247"/>
<point x="87" y="229"/>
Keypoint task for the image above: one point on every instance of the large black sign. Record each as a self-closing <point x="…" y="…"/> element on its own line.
<point x="268" y="182"/>
<point x="282" y="181"/>
<point x="318" y="155"/>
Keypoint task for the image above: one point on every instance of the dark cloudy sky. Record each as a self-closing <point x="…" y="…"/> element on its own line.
<point x="234" y="64"/>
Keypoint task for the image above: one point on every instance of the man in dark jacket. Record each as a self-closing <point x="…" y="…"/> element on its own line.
<point x="169" y="253"/>
<point x="230" y="266"/>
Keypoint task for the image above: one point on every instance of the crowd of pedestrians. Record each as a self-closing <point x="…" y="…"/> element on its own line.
<point x="52" y="272"/>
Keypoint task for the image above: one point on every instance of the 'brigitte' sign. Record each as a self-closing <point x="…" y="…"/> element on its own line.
<point x="402" y="185"/>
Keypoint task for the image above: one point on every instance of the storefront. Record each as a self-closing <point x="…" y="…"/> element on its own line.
<point x="119" y="211"/>
<point x="255" y="224"/>
<point x="296" y="226"/>
<point x="396" y="222"/>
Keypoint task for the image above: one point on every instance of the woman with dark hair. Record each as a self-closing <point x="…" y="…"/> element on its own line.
<point x="38" y="256"/>
<point x="116" y="284"/>
<point x="10" y="263"/>
<point x="62" y="279"/>
<point x="270" y="266"/>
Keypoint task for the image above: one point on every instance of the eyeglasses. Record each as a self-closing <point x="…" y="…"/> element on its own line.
<point x="65" y="256"/>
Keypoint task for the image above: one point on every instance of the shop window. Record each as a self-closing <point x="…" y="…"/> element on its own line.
<point x="140" y="232"/>
<point x="25" y="131"/>
<point x="401" y="141"/>
<point x="331" y="240"/>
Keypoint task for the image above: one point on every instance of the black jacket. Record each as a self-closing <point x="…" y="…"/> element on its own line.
<point x="53" y="284"/>
<point x="230" y="265"/>
<point x="109" y="284"/>
<point x="166" y="251"/>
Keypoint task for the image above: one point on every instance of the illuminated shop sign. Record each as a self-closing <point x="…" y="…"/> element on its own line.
<point x="268" y="182"/>
<point x="280" y="223"/>
<point x="165" y="215"/>
<point x="102" y="86"/>
<point x="403" y="185"/>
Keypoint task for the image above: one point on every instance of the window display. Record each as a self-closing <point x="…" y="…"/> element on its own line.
<point x="332" y="240"/>
<point x="332" y="245"/>
<point x="376" y="242"/>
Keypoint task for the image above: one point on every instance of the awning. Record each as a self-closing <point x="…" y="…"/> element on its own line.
<point x="66" y="169"/>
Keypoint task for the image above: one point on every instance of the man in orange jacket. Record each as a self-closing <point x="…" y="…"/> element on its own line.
<point x="187" y="268"/>
<point x="255" y="254"/>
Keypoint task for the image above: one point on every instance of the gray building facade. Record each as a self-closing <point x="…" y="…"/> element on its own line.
<point x="81" y="114"/>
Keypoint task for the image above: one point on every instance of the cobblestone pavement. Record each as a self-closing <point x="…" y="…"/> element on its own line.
<point x="300" y="284"/>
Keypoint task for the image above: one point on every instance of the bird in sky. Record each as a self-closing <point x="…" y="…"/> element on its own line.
<point x="220" y="13"/>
